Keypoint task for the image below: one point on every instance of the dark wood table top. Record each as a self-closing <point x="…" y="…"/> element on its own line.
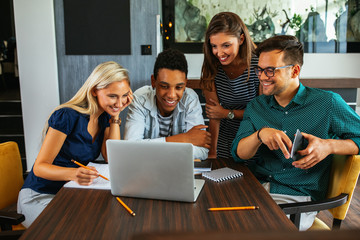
<point x="96" y="214"/>
<point x="352" y="234"/>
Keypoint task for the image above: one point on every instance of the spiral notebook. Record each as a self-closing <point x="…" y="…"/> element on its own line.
<point x="222" y="174"/>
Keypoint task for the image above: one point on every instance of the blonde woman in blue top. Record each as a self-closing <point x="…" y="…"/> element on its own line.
<point x="76" y="130"/>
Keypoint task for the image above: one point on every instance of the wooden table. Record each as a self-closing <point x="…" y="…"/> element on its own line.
<point x="352" y="234"/>
<point x="95" y="214"/>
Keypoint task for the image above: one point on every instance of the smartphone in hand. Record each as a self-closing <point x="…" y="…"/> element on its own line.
<point x="298" y="144"/>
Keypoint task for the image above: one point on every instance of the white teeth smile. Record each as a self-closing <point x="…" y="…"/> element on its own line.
<point x="267" y="84"/>
<point x="170" y="102"/>
<point x="223" y="58"/>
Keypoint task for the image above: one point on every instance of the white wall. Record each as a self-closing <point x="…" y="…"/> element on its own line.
<point x="35" y="39"/>
<point x="323" y="65"/>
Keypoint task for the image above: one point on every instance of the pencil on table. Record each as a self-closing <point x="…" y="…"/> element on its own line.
<point x="81" y="165"/>
<point x="126" y="207"/>
<point x="233" y="208"/>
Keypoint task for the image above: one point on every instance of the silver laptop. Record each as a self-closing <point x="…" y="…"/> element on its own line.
<point x="154" y="170"/>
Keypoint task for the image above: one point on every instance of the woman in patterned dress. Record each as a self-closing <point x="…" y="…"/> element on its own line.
<point x="227" y="79"/>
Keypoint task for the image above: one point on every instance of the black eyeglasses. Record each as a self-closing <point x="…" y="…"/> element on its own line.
<point x="269" y="71"/>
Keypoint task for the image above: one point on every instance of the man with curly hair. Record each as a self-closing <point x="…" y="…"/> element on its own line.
<point x="167" y="110"/>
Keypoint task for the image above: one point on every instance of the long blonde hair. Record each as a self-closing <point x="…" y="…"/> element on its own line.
<point x="229" y="23"/>
<point x="83" y="101"/>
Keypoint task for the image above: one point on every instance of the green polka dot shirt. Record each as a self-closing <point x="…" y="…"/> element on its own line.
<point x="321" y="113"/>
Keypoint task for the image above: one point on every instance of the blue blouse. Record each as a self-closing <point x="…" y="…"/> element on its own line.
<point x="78" y="146"/>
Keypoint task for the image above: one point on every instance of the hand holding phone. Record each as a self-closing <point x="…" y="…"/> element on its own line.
<point x="298" y="144"/>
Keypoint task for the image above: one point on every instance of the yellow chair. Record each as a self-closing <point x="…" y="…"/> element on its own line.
<point x="343" y="178"/>
<point x="11" y="181"/>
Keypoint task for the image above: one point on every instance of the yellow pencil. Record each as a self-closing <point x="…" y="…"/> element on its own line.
<point x="126" y="207"/>
<point x="197" y="160"/>
<point x="81" y="165"/>
<point x="233" y="208"/>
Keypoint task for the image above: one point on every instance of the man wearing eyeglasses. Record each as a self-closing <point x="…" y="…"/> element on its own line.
<point x="328" y="125"/>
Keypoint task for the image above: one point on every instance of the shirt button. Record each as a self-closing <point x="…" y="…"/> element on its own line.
<point x="270" y="176"/>
<point x="286" y="112"/>
<point x="285" y="131"/>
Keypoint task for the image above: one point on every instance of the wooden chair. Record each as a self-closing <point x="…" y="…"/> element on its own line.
<point x="343" y="178"/>
<point x="11" y="181"/>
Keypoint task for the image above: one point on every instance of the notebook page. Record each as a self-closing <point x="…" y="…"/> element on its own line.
<point x="98" y="183"/>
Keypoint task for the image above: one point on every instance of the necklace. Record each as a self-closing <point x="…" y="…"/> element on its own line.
<point x="234" y="71"/>
<point x="229" y="73"/>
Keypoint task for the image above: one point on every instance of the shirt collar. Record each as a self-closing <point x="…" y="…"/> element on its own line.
<point x="298" y="99"/>
<point x="300" y="96"/>
<point x="150" y="99"/>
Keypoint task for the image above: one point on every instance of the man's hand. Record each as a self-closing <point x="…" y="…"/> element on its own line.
<point x="198" y="137"/>
<point x="316" y="151"/>
<point x="275" y="139"/>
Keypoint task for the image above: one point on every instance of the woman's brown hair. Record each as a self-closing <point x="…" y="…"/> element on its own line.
<point x="231" y="24"/>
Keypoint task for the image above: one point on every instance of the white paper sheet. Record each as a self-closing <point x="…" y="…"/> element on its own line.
<point x="98" y="183"/>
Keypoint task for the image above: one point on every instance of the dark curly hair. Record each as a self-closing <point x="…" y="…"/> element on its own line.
<point x="171" y="59"/>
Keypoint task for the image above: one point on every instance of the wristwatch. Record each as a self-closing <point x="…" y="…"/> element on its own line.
<point x="117" y="121"/>
<point x="231" y="115"/>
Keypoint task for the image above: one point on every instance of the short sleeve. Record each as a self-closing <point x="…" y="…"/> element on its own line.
<point x="106" y="119"/>
<point x="63" y="120"/>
